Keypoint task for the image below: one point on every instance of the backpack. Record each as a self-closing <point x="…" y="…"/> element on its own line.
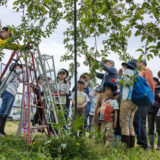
<point x="142" y="95"/>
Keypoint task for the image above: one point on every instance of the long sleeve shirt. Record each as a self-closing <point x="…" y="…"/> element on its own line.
<point x="110" y="74"/>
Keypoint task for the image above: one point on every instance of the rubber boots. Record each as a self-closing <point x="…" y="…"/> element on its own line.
<point x="151" y="141"/>
<point x="158" y="143"/>
<point x="125" y="140"/>
<point x="3" y="123"/>
<point x="132" y="141"/>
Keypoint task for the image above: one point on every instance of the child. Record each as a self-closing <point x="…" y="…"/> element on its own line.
<point x="108" y="113"/>
<point x="92" y="111"/>
<point x="33" y="100"/>
<point x="128" y="108"/>
<point x="153" y="116"/>
<point x="82" y="100"/>
<point x="39" y="111"/>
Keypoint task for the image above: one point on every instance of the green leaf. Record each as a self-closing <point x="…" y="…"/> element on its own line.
<point x="140" y="58"/>
<point x="30" y="7"/>
<point x="137" y="33"/>
<point x="149" y="56"/>
<point x="44" y="10"/>
<point x="139" y="50"/>
<point x="92" y="30"/>
<point x="129" y="33"/>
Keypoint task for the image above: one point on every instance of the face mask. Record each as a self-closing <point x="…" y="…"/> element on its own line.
<point x="18" y="71"/>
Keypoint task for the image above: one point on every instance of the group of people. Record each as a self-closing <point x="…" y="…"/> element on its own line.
<point x="111" y="109"/>
<point x="108" y="107"/>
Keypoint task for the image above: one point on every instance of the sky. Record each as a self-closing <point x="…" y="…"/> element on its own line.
<point x="54" y="45"/>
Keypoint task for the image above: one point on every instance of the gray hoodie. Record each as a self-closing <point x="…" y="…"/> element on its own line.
<point x="13" y="83"/>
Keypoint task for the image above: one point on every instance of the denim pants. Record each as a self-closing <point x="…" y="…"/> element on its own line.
<point x="87" y="109"/>
<point x="140" y="126"/>
<point x="7" y="103"/>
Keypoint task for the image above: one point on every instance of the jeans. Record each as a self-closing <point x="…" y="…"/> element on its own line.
<point x="140" y="126"/>
<point x="7" y="103"/>
<point x="87" y="109"/>
<point x="91" y="123"/>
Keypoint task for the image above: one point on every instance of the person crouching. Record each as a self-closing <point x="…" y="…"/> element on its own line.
<point x="109" y="113"/>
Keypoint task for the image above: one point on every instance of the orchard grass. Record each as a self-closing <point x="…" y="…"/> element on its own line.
<point x="14" y="148"/>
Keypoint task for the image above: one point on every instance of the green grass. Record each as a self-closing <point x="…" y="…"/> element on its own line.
<point x="14" y="148"/>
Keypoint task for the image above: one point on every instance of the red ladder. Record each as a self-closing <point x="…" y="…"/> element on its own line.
<point x="29" y="77"/>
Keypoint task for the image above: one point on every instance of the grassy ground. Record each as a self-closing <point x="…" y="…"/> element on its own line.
<point x="14" y="148"/>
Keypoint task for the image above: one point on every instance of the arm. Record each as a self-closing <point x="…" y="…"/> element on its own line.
<point x="100" y="75"/>
<point x="82" y="106"/>
<point x="11" y="77"/>
<point x="98" y="110"/>
<point x="73" y="102"/>
<point x="108" y="68"/>
<point x="115" y="118"/>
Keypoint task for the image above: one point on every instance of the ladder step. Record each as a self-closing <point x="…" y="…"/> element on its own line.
<point x="37" y="127"/>
<point x="34" y="106"/>
<point x="31" y="86"/>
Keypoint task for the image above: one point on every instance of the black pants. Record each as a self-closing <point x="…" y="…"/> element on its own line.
<point x="140" y="126"/>
<point x="152" y="119"/>
<point x="158" y="125"/>
<point x="38" y="116"/>
<point x="117" y="130"/>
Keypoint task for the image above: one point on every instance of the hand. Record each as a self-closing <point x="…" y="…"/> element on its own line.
<point x="78" y="107"/>
<point x="69" y="79"/>
<point x="98" y="111"/>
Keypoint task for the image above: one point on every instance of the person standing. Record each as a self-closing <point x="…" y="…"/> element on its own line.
<point x="109" y="113"/>
<point x="127" y="107"/>
<point x="152" y="116"/>
<point x="89" y="90"/>
<point x="9" y="95"/>
<point x="39" y="111"/>
<point x="111" y="73"/>
<point x="142" y="112"/>
<point x="93" y="101"/>
<point x="82" y="101"/>
<point x="63" y="87"/>
<point x="99" y="102"/>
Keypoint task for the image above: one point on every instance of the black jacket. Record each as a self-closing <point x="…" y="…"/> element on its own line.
<point x="156" y="105"/>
